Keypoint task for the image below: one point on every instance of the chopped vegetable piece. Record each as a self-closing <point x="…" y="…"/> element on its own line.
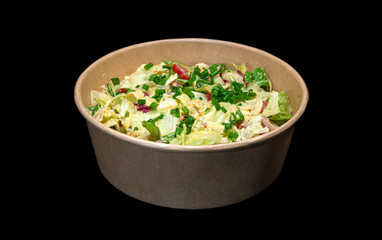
<point x="185" y="110"/>
<point x="227" y="126"/>
<point x="153" y="106"/>
<point x="285" y="110"/>
<point x="141" y="101"/>
<point x="160" y="80"/>
<point x="115" y="81"/>
<point x="148" y="66"/>
<point x="154" y="130"/>
<point x="93" y="109"/>
<point x="167" y="138"/>
<point x="233" y="136"/>
<point x="158" y="94"/>
<point x="110" y="90"/>
<point x="175" y="111"/>
<point x="143" y="108"/>
<point x="181" y="71"/>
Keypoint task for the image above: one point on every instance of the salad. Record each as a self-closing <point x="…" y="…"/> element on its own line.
<point x="191" y="105"/>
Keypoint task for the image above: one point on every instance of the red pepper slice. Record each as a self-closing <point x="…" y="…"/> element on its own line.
<point x="181" y="71"/>
<point x="122" y="90"/>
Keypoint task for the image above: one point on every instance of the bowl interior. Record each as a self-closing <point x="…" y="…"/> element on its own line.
<point x="189" y="52"/>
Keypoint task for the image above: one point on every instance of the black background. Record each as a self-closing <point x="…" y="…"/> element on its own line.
<point x="53" y="187"/>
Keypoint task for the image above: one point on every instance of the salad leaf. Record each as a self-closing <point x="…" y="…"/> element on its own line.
<point x="93" y="109"/>
<point x="260" y="77"/>
<point x="285" y="110"/>
<point x="154" y="130"/>
<point x="139" y="78"/>
<point x="167" y="124"/>
<point x="273" y="103"/>
<point x="171" y="78"/>
<point x="183" y="98"/>
<point x="124" y="106"/>
<point x="217" y="116"/>
<point x="254" y="127"/>
<point x="99" y="98"/>
<point x="202" y="138"/>
<point x="180" y="138"/>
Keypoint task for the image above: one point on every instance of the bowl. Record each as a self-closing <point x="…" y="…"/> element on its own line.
<point x="190" y="177"/>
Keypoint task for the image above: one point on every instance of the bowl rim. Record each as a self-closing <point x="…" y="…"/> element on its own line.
<point x="182" y="148"/>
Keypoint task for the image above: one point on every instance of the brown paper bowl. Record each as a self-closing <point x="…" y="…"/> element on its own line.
<point x="190" y="177"/>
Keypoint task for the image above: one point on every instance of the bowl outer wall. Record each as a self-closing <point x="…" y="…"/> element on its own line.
<point x="125" y="61"/>
<point x="189" y="181"/>
<point x="190" y="177"/>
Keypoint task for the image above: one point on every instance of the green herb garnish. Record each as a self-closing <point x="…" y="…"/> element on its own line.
<point x="93" y="109"/>
<point x="160" y="80"/>
<point x="167" y="138"/>
<point x="148" y="66"/>
<point x="185" y="110"/>
<point x="175" y="112"/>
<point x="233" y="136"/>
<point x="158" y="94"/>
<point x="153" y="106"/>
<point x="141" y="101"/>
<point x="110" y="90"/>
<point x="115" y="81"/>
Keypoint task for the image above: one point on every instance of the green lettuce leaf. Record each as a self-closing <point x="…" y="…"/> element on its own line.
<point x="153" y="129"/>
<point x="285" y="110"/>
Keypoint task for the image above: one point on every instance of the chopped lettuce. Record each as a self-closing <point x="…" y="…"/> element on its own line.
<point x="285" y="112"/>
<point x="252" y="129"/>
<point x="140" y="77"/>
<point x="153" y="129"/>
<point x="259" y="77"/>
<point x="180" y="139"/>
<point x="167" y="124"/>
<point x="202" y="138"/>
<point x="219" y="116"/>
<point x="206" y="104"/>
<point x="183" y="98"/>
<point x="99" y="98"/>
<point x="272" y="103"/>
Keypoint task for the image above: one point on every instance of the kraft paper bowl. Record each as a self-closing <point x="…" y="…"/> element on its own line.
<point x="190" y="177"/>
